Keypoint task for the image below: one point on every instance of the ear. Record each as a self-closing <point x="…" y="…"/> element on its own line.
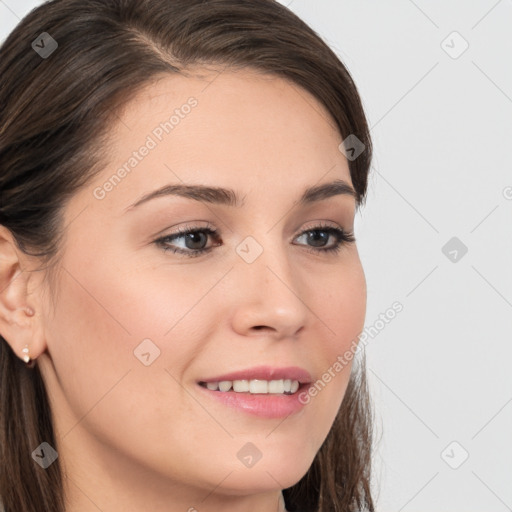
<point x="20" y="311"/>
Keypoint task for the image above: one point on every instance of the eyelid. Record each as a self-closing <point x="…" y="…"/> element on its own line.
<point x="312" y="225"/>
<point x="321" y="223"/>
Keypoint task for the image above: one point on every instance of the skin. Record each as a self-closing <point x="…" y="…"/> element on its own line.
<point x="135" y="437"/>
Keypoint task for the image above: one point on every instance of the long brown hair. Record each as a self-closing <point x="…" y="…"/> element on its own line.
<point x="56" y="109"/>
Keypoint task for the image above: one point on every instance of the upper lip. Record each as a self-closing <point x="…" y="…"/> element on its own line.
<point x="265" y="373"/>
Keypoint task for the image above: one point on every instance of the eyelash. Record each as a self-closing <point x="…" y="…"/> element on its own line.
<point x="342" y="238"/>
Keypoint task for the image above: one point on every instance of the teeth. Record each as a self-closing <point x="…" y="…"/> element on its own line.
<point x="283" y="386"/>
<point x="241" y="386"/>
<point x="224" y="385"/>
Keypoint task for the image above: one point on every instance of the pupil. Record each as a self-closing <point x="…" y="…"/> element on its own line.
<point x="313" y="236"/>
<point x="195" y="237"/>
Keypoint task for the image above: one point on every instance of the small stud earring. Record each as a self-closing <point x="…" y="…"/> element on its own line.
<point x="30" y="363"/>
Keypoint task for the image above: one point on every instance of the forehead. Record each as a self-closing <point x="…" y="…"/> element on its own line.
<point x="240" y="129"/>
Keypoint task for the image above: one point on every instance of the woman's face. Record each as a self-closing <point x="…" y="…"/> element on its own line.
<point x="134" y="327"/>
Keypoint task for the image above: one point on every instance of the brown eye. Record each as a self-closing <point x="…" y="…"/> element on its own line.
<point x="195" y="241"/>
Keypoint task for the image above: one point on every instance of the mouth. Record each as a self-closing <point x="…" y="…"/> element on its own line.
<point x="264" y="391"/>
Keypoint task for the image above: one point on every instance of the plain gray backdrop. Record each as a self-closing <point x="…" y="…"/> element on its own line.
<point x="435" y="235"/>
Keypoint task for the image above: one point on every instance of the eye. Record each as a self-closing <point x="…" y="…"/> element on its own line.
<point x="319" y="236"/>
<point x="195" y="240"/>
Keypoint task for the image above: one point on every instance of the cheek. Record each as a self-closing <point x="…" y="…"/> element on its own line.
<point x="86" y="340"/>
<point x="102" y="386"/>
<point x="341" y="302"/>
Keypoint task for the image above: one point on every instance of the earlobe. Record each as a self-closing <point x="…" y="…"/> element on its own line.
<point x="18" y="321"/>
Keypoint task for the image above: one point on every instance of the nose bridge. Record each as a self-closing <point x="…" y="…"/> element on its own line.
<point x="266" y="261"/>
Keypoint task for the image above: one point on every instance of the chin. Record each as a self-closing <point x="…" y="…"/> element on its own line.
<point x="242" y="482"/>
<point x="277" y="471"/>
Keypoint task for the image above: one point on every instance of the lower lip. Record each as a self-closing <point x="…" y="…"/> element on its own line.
<point x="263" y="405"/>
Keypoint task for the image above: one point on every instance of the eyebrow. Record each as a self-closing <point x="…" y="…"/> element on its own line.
<point x="228" y="197"/>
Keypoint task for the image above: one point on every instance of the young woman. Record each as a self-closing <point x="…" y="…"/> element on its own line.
<point x="181" y="295"/>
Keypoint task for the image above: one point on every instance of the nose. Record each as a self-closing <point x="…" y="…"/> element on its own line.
<point x="270" y="296"/>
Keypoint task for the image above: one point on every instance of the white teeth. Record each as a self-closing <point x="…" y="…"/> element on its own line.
<point x="225" y="385"/>
<point x="276" y="386"/>
<point x="241" y="386"/>
<point x="283" y="386"/>
<point x="258" y="386"/>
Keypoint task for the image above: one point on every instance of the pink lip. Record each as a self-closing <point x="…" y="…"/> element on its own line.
<point x="262" y="405"/>
<point x="265" y="373"/>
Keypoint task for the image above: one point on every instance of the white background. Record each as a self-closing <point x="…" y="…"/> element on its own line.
<point x="442" y="129"/>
